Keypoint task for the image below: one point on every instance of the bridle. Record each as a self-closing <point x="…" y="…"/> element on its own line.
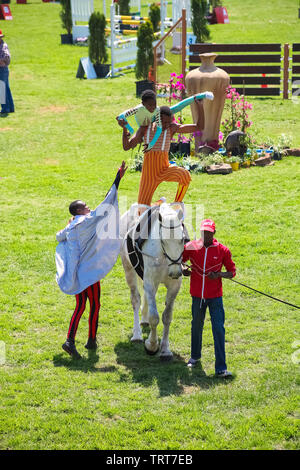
<point x="173" y="261"/>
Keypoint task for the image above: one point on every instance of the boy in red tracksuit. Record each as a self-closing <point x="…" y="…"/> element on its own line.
<point x="207" y="257"/>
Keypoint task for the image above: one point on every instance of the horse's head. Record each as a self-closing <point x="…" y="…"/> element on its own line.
<point x="172" y="235"/>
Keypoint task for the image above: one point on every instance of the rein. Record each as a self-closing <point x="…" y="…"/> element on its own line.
<point x="173" y="261"/>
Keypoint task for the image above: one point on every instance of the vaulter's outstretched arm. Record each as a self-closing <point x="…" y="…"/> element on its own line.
<point x="199" y="126"/>
<point x="198" y="97"/>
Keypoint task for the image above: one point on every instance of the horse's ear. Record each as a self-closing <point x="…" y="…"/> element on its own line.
<point x="180" y="214"/>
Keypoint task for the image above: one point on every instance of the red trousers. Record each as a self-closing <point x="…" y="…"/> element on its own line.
<point x="93" y="294"/>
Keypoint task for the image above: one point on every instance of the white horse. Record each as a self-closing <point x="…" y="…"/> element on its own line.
<point x="154" y="243"/>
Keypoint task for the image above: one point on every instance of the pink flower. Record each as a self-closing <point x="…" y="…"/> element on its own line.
<point x="238" y="124"/>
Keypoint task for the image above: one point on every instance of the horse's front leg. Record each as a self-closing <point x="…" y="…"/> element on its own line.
<point x="172" y="291"/>
<point x="151" y="343"/>
<point x="144" y="312"/>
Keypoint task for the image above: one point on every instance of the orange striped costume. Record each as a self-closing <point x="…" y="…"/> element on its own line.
<point x="157" y="168"/>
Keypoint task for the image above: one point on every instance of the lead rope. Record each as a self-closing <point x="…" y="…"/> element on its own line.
<point x="248" y="287"/>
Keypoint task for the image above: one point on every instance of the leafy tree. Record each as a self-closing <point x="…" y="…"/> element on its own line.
<point x="97" y="39"/>
<point x="145" y="57"/>
<point x="199" y="21"/>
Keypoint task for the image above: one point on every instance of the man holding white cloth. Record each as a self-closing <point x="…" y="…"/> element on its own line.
<point x="88" y="249"/>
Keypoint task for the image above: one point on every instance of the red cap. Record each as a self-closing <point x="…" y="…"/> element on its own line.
<point x="208" y="225"/>
<point x="1" y="34"/>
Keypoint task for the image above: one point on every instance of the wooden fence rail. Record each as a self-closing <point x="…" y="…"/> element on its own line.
<point x="248" y="68"/>
<point x="295" y="68"/>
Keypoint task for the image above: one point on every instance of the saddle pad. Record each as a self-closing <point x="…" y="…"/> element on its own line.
<point x="135" y="257"/>
<point x="143" y="227"/>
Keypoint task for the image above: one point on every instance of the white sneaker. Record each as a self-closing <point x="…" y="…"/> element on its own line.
<point x="224" y="374"/>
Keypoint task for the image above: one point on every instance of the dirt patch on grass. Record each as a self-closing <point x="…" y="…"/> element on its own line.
<point x="3" y="129"/>
<point x="53" y="109"/>
<point x="51" y="162"/>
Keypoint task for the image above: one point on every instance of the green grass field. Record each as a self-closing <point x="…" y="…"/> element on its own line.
<point x="63" y="143"/>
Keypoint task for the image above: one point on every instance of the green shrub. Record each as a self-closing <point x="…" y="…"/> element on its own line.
<point x="154" y="16"/>
<point x="199" y="21"/>
<point x="145" y="57"/>
<point x="97" y="40"/>
<point x="124" y="7"/>
<point x="66" y="15"/>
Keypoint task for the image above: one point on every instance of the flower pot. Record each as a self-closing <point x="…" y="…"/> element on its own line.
<point x="101" y="70"/>
<point x="20" y="1"/>
<point x="277" y="156"/>
<point x="66" y="39"/>
<point x="185" y="148"/>
<point x="246" y="164"/>
<point x="174" y="147"/>
<point x="235" y="166"/>
<point x="143" y="85"/>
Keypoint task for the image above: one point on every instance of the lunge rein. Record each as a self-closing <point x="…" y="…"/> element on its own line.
<point x="244" y="285"/>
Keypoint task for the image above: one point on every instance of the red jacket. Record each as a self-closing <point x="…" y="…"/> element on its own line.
<point x="205" y="260"/>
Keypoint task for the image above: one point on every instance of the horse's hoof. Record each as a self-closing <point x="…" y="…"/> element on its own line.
<point x="151" y="353"/>
<point x="136" y="340"/>
<point x="168" y="358"/>
<point x="144" y="324"/>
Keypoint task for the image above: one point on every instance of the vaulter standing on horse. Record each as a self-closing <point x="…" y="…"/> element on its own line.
<point x="156" y="166"/>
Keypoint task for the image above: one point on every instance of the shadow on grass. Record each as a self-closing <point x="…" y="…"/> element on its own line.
<point x="172" y="378"/>
<point x="85" y="364"/>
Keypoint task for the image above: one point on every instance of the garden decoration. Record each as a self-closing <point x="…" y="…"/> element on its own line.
<point x="208" y="77"/>
<point x="236" y="123"/>
<point x="142" y="115"/>
<point x="235" y="143"/>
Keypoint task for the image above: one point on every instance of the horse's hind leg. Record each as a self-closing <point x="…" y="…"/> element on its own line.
<point x="173" y="288"/>
<point x="135" y="297"/>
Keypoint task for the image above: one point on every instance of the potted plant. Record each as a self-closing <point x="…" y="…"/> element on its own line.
<point x="97" y="44"/>
<point x="66" y="18"/>
<point x="144" y="59"/>
<point x="234" y="162"/>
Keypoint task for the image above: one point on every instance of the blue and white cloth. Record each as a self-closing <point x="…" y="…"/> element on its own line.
<point x="89" y="246"/>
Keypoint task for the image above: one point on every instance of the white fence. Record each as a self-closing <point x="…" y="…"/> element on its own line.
<point x="81" y="11"/>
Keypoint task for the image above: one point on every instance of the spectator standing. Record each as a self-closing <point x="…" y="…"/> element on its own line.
<point x="6" y="99"/>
